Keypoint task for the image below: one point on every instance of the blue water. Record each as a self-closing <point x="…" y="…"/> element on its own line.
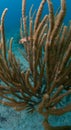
<point x="14" y="11"/>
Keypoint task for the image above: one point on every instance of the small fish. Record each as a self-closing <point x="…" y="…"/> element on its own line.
<point x="24" y="40"/>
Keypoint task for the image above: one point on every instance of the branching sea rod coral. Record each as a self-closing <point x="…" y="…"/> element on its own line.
<point x="48" y="51"/>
